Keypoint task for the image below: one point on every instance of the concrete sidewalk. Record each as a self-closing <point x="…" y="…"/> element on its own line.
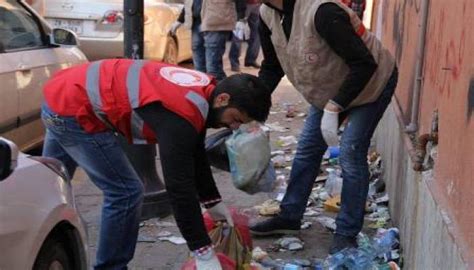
<point x="165" y="255"/>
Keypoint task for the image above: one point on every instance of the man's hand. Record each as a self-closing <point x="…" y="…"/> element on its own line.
<point x="221" y="212"/>
<point x="242" y="30"/>
<point x="174" y="28"/>
<point x="330" y="124"/>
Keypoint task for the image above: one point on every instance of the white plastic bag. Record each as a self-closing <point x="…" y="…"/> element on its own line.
<point x="242" y="30"/>
<point x="248" y="149"/>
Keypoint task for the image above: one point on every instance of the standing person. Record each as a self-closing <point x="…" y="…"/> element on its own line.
<point x="342" y="70"/>
<point x="147" y="102"/>
<point x="211" y="24"/>
<point x="253" y="17"/>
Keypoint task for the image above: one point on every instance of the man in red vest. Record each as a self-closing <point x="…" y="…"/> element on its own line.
<point x="147" y="102"/>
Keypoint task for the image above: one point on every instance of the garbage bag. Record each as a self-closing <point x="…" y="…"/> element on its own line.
<point x="226" y="263"/>
<point x="248" y="149"/>
<point x="241" y="223"/>
<point x="216" y="149"/>
<point x="266" y="183"/>
<point x="234" y="242"/>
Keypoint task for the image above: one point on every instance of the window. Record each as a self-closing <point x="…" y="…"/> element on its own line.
<point x="18" y="29"/>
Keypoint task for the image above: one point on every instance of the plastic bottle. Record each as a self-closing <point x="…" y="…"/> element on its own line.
<point x="329" y="185"/>
<point x="290" y="266"/>
<point x="333" y="184"/>
<point x="359" y="259"/>
<point x="336" y="261"/>
<point x="387" y="241"/>
<point x="317" y="264"/>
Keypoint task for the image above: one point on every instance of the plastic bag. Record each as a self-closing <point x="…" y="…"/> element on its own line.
<point x="234" y="242"/>
<point x="242" y="31"/>
<point x="266" y="183"/>
<point x="241" y="223"/>
<point x="216" y="149"/>
<point x="226" y="263"/>
<point x="248" y="149"/>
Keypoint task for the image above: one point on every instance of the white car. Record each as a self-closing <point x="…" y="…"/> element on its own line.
<point x="99" y="25"/>
<point x="29" y="55"/>
<point x="40" y="227"/>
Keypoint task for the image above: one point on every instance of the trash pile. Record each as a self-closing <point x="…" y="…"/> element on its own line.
<point x="380" y="251"/>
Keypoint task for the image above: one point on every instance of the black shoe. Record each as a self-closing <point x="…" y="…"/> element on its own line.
<point x="340" y="242"/>
<point x="235" y="69"/>
<point x="255" y="65"/>
<point x="276" y="225"/>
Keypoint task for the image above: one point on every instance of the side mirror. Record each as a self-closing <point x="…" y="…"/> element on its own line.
<point x="60" y="36"/>
<point x="8" y="158"/>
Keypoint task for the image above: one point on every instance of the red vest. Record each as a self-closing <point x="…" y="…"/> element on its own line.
<point x="103" y="94"/>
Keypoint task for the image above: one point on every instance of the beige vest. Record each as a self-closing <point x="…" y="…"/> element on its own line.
<point x="312" y="66"/>
<point x="216" y="15"/>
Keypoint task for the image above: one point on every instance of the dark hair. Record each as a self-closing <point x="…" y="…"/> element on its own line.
<point x="248" y="94"/>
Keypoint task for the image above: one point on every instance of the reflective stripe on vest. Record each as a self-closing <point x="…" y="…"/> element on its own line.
<point x="200" y="102"/>
<point x="133" y="90"/>
<point x="93" y="91"/>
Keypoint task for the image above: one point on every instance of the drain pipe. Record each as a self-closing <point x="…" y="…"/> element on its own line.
<point x="420" y="55"/>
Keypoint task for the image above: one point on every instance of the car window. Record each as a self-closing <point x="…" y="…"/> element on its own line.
<point x="18" y="29"/>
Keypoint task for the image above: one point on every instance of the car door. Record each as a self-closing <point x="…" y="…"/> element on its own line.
<point x="33" y="61"/>
<point x="183" y="34"/>
<point x="9" y="95"/>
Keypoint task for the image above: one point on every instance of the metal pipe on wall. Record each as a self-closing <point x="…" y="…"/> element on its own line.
<point x="420" y="59"/>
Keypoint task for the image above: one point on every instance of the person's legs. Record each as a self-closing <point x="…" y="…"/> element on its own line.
<point x="214" y="42"/>
<point x="305" y="168"/>
<point x="109" y="169"/>
<point x="199" y="52"/>
<point x="52" y="148"/>
<point x="254" y="42"/>
<point x="234" y="53"/>
<point x="355" y="143"/>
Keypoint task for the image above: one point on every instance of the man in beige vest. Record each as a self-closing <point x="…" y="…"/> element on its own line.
<point x="343" y="71"/>
<point x="211" y="23"/>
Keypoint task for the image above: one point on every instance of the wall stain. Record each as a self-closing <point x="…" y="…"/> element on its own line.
<point x="399" y="29"/>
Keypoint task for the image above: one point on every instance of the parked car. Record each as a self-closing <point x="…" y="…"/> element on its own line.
<point x="29" y="54"/>
<point x="99" y="25"/>
<point x="40" y="227"/>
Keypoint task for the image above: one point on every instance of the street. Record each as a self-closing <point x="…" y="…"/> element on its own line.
<point x="165" y="255"/>
<point x="391" y="92"/>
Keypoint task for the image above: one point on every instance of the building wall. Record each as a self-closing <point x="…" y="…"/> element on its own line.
<point x="427" y="241"/>
<point x="448" y="86"/>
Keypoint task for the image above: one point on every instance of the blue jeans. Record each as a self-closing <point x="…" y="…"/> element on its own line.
<point x="106" y="164"/>
<point x="253" y="14"/>
<point x="354" y="145"/>
<point x="208" y="49"/>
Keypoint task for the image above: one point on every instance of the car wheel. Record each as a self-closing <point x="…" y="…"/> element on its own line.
<point x="171" y="53"/>
<point x="53" y="256"/>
